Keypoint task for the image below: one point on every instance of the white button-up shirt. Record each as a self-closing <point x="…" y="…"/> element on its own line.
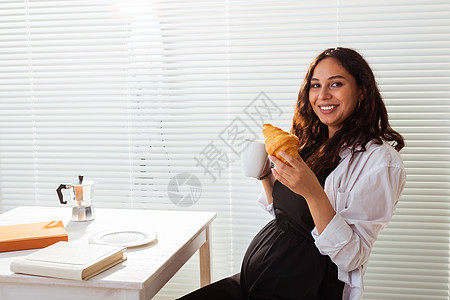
<point x="364" y="195"/>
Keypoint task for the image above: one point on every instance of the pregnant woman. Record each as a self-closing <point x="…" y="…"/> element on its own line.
<point x="332" y="200"/>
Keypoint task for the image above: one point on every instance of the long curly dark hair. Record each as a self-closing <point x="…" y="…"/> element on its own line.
<point x="369" y="122"/>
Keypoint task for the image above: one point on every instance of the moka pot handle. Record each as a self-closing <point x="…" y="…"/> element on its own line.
<point x="60" y="194"/>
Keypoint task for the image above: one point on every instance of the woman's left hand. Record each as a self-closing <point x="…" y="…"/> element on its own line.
<point x="297" y="176"/>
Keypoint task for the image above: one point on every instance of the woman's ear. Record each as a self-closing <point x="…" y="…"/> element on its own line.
<point x="362" y="95"/>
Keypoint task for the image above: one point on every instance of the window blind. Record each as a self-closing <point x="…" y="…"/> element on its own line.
<point x="152" y="100"/>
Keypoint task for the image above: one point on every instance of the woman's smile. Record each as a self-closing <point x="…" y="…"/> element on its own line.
<point x="328" y="108"/>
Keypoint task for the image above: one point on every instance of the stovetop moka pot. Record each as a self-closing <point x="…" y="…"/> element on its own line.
<point x="81" y="195"/>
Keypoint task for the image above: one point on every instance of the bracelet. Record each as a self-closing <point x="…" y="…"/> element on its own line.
<point x="265" y="176"/>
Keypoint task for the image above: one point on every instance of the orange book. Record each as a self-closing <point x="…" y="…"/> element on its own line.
<point x="31" y="236"/>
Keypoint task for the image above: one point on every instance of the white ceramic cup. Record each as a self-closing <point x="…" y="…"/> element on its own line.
<point x="253" y="158"/>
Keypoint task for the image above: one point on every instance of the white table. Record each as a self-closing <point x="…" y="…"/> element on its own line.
<point x="147" y="269"/>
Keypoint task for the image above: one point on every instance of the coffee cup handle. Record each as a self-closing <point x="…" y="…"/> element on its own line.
<point x="268" y="161"/>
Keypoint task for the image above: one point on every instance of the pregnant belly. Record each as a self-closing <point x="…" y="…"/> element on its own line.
<point x="282" y="264"/>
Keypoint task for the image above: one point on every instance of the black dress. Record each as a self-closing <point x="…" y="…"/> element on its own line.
<point x="282" y="261"/>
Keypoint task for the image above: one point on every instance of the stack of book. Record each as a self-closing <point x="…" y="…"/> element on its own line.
<point x="59" y="258"/>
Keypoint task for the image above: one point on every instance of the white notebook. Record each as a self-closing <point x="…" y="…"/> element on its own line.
<point x="69" y="261"/>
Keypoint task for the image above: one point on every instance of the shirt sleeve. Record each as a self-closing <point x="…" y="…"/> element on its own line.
<point x="264" y="203"/>
<point x="364" y="212"/>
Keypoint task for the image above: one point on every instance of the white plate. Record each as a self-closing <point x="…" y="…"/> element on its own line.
<point x="124" y="238"/>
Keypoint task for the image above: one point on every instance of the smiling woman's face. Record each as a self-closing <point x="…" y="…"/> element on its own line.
<point x="333" y="94"/>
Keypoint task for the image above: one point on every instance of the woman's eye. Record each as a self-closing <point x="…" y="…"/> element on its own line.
<point x="336" y="84"/>
<point x="315" y="85"/>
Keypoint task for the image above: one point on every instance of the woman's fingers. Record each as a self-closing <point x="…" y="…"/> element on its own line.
<point x="282" y="171"/>
<point x="291" y="160"/>
<point x="293" y="163"/>
<point x="296" y="175"/>
<point x="279" y="165"/>
<point x="279" y="177"/>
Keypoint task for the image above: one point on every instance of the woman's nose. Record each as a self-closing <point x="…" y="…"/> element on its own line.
<point x="324" y="93"/>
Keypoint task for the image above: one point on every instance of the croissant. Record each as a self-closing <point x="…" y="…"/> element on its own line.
<point x="278" y="140"/>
